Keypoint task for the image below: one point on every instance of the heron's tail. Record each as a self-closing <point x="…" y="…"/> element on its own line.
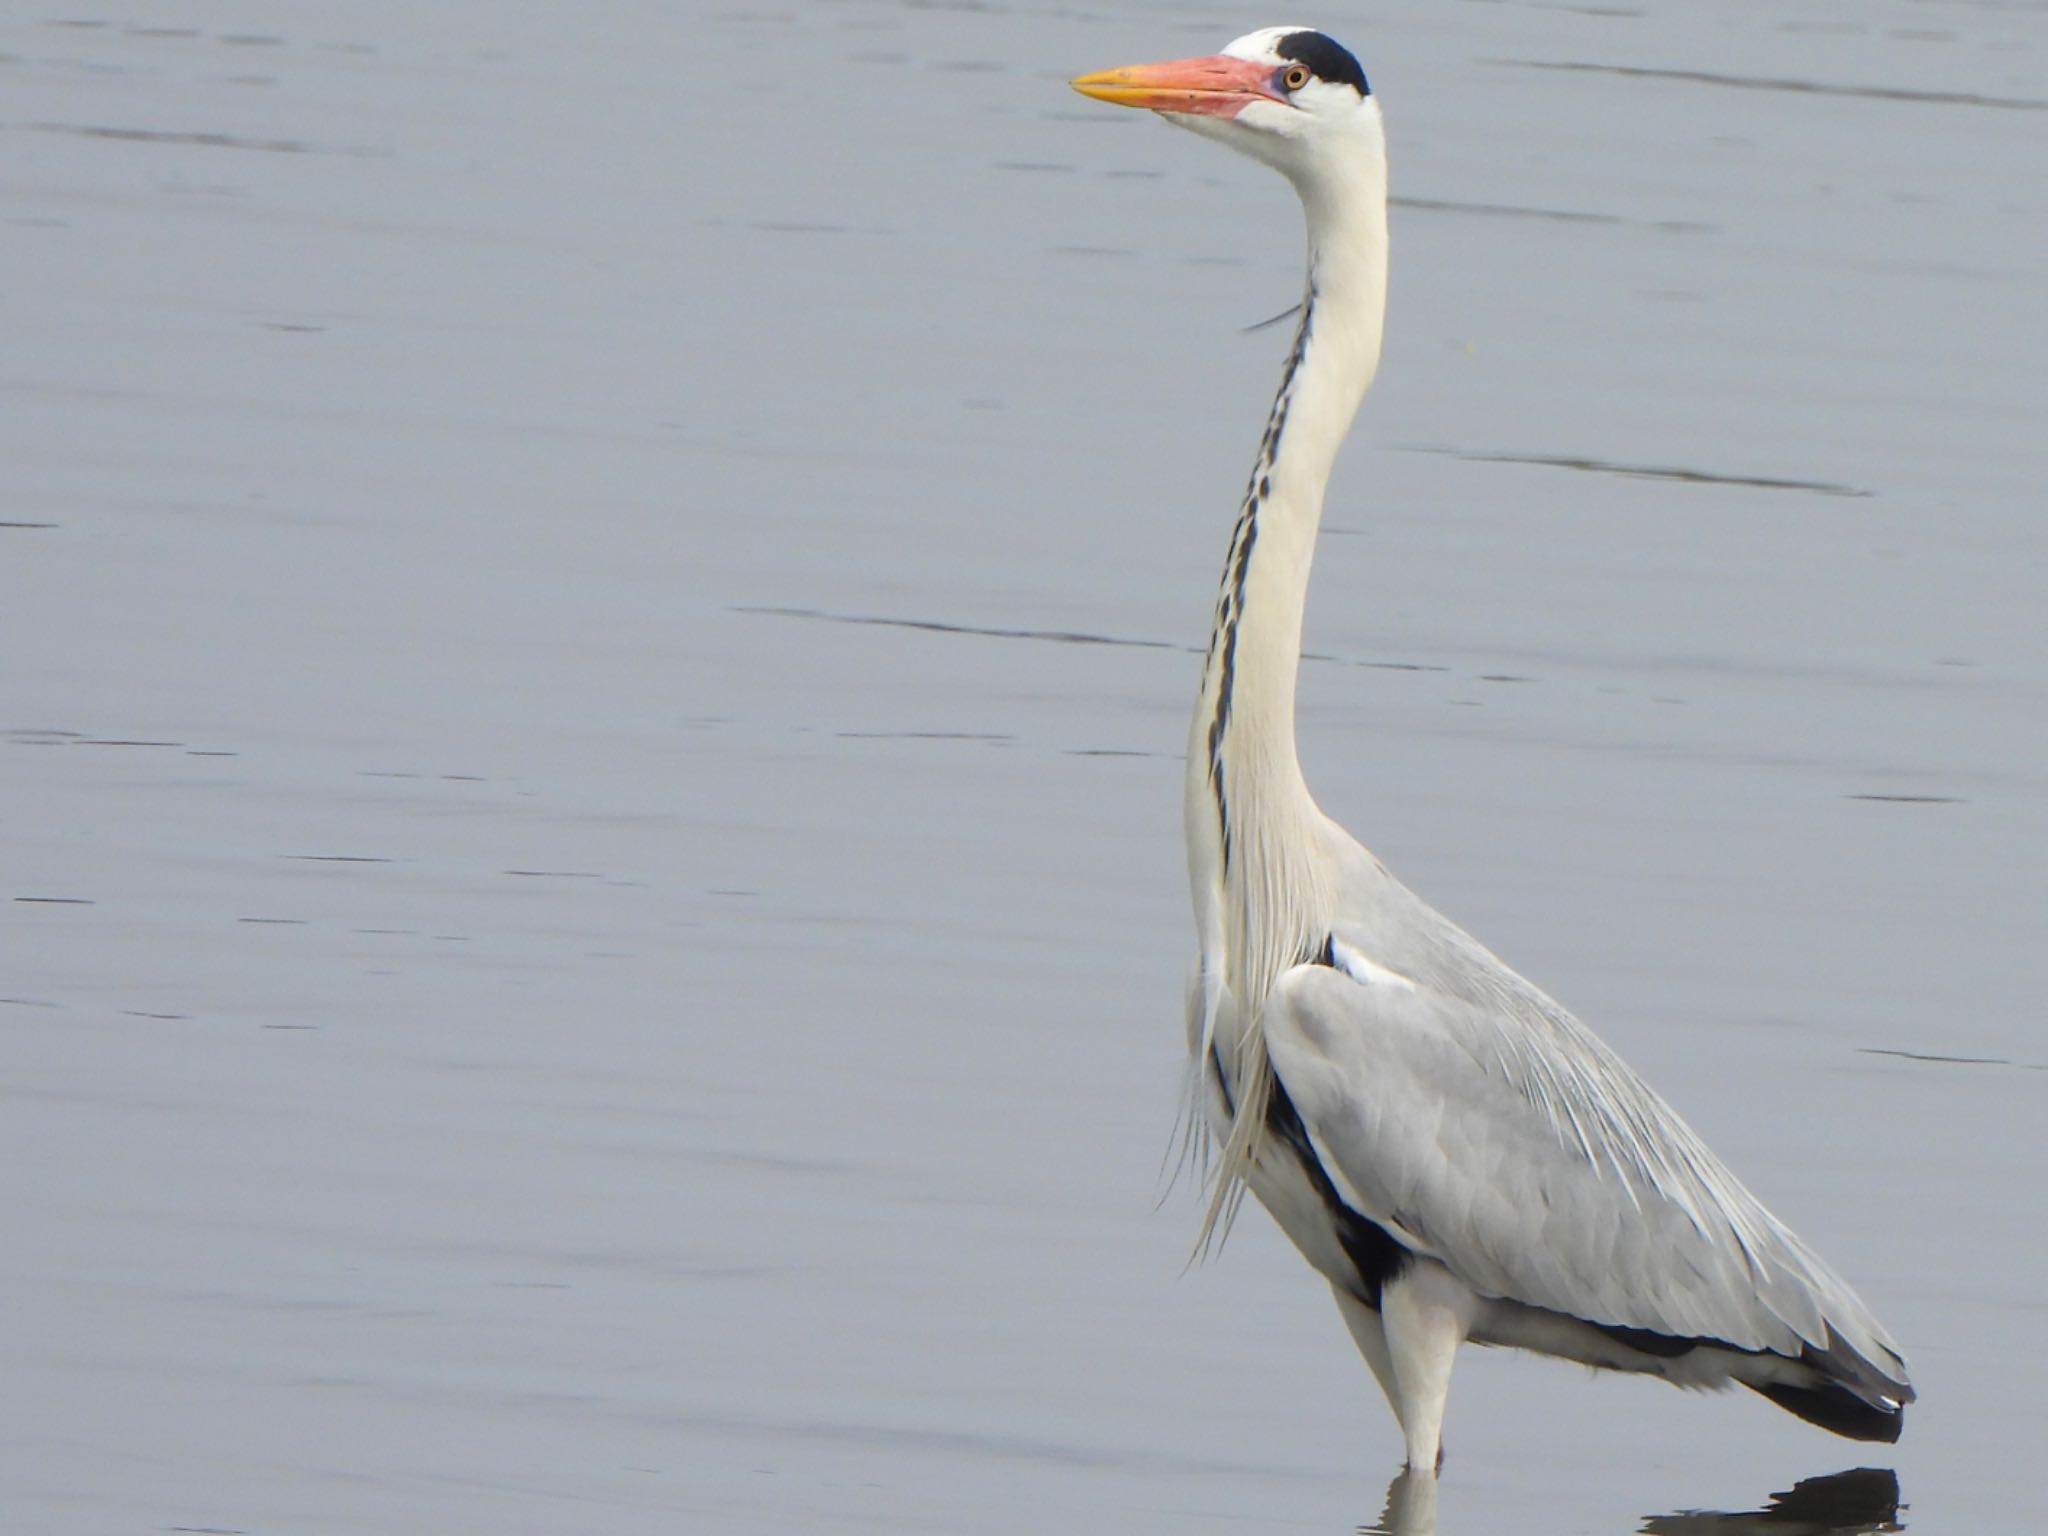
<point x="1834" y="1407"/>
<point x="1845" y="1393"/>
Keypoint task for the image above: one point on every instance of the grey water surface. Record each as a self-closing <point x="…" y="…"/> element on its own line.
<point x="598" y="606"/>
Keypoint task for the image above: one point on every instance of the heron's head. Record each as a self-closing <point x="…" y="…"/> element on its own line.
<point x="1286" y="95"/>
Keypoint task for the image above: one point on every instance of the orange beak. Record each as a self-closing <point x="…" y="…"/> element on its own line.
<point x="1217" y="86"/>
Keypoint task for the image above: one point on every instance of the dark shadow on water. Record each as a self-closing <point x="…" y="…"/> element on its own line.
<point x="940" y="626"/>
<point x="1953" y="1061"/>
<point x="1058" y="636"/>
<point x="1861" y="1502"/>
<point x="1644" y="471"/>
<point x="208" y="140"/>
<point x="1797" y="87"/>
<point x="1555" y="215"/>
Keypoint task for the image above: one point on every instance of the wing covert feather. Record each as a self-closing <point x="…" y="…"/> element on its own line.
<point x="1507" y="1141"/>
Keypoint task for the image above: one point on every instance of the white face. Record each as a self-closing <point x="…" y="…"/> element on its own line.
<point x="1288" y="96"/>
<point x="1323" y="85"/>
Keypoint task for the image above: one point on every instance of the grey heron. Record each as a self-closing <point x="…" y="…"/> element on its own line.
<point x="1453" y="1151"/>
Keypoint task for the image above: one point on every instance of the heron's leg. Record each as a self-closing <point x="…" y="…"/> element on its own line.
<point x="1426" y="1313"/>
<point x="1371" y="1340"/>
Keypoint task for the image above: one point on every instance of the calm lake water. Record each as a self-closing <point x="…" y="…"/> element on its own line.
<point x="599" y="605"/>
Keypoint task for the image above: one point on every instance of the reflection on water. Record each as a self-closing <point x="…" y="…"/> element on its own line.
<point x="1411" y="1508"/>
<point x="1862" y="1502"/>
<point x="1865" y="1500"/>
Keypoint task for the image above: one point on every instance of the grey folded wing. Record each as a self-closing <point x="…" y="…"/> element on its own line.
<point x="1503" y="1138"/>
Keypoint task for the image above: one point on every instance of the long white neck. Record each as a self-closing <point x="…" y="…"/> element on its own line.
<point x="1260" y="888"/>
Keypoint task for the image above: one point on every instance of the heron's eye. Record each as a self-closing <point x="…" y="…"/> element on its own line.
<point x="1296" y="77"/>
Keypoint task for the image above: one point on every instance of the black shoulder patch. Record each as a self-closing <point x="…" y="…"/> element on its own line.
<point x="1326" y="58"/>
<point x="1373" y="1252"/>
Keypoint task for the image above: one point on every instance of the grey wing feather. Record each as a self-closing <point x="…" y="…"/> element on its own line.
<point x="1500" y="1136"/>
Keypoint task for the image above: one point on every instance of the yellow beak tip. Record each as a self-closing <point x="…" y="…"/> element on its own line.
<point x="1102" y="85"/>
